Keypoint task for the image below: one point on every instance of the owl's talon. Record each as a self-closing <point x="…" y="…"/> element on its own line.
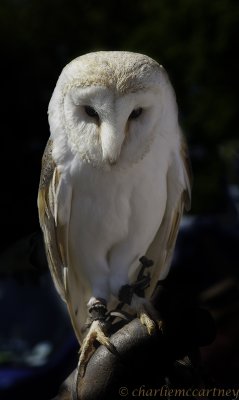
<point x="148" y="322"/>
<point x="148" y="315"/>
<point x="95" y="334"/>
<point x="112" y="348"/>
<point x="151" y="324"/>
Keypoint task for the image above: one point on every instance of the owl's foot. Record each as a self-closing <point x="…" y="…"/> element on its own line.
<point x="147" y="314"/>
<point x="96" y="333"/>
<point x="145" y="311"/>
<point x="148" y="322"/>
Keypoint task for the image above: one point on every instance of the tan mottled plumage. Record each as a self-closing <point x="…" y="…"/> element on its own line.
<point x="53" y="235"/>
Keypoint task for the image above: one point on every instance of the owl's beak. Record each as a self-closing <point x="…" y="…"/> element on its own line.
<point x="111" y="143"/>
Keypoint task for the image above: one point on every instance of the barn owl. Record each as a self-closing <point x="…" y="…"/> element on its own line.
<point x="114" y="183"/>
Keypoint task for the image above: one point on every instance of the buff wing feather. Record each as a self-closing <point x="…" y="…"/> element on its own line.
<point x="55" y="235"/>
<point x="161" y="249"/>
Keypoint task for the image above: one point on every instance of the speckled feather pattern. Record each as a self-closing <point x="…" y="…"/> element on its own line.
<point x="48" y="166"/>
<point x="118" y="71"/>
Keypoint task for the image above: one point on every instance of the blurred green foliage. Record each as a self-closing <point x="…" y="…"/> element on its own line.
<point x="196" y="41"/>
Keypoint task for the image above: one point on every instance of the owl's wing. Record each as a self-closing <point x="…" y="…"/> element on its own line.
<point x="52" y="191"/>
<point x="179" y="180"/>
<point x="49" y="182"/>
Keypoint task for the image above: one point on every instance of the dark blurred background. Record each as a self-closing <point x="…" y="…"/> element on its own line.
<point x="197" y="42"/>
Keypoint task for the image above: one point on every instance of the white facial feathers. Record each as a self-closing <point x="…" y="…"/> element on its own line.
<point x="108" y="107"/>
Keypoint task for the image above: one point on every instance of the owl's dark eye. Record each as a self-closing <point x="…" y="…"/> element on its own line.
<point x="136" y="113"/>
<point x="90" y="111"/>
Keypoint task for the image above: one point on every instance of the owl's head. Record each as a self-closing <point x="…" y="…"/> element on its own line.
<point x="108" y="107"/>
